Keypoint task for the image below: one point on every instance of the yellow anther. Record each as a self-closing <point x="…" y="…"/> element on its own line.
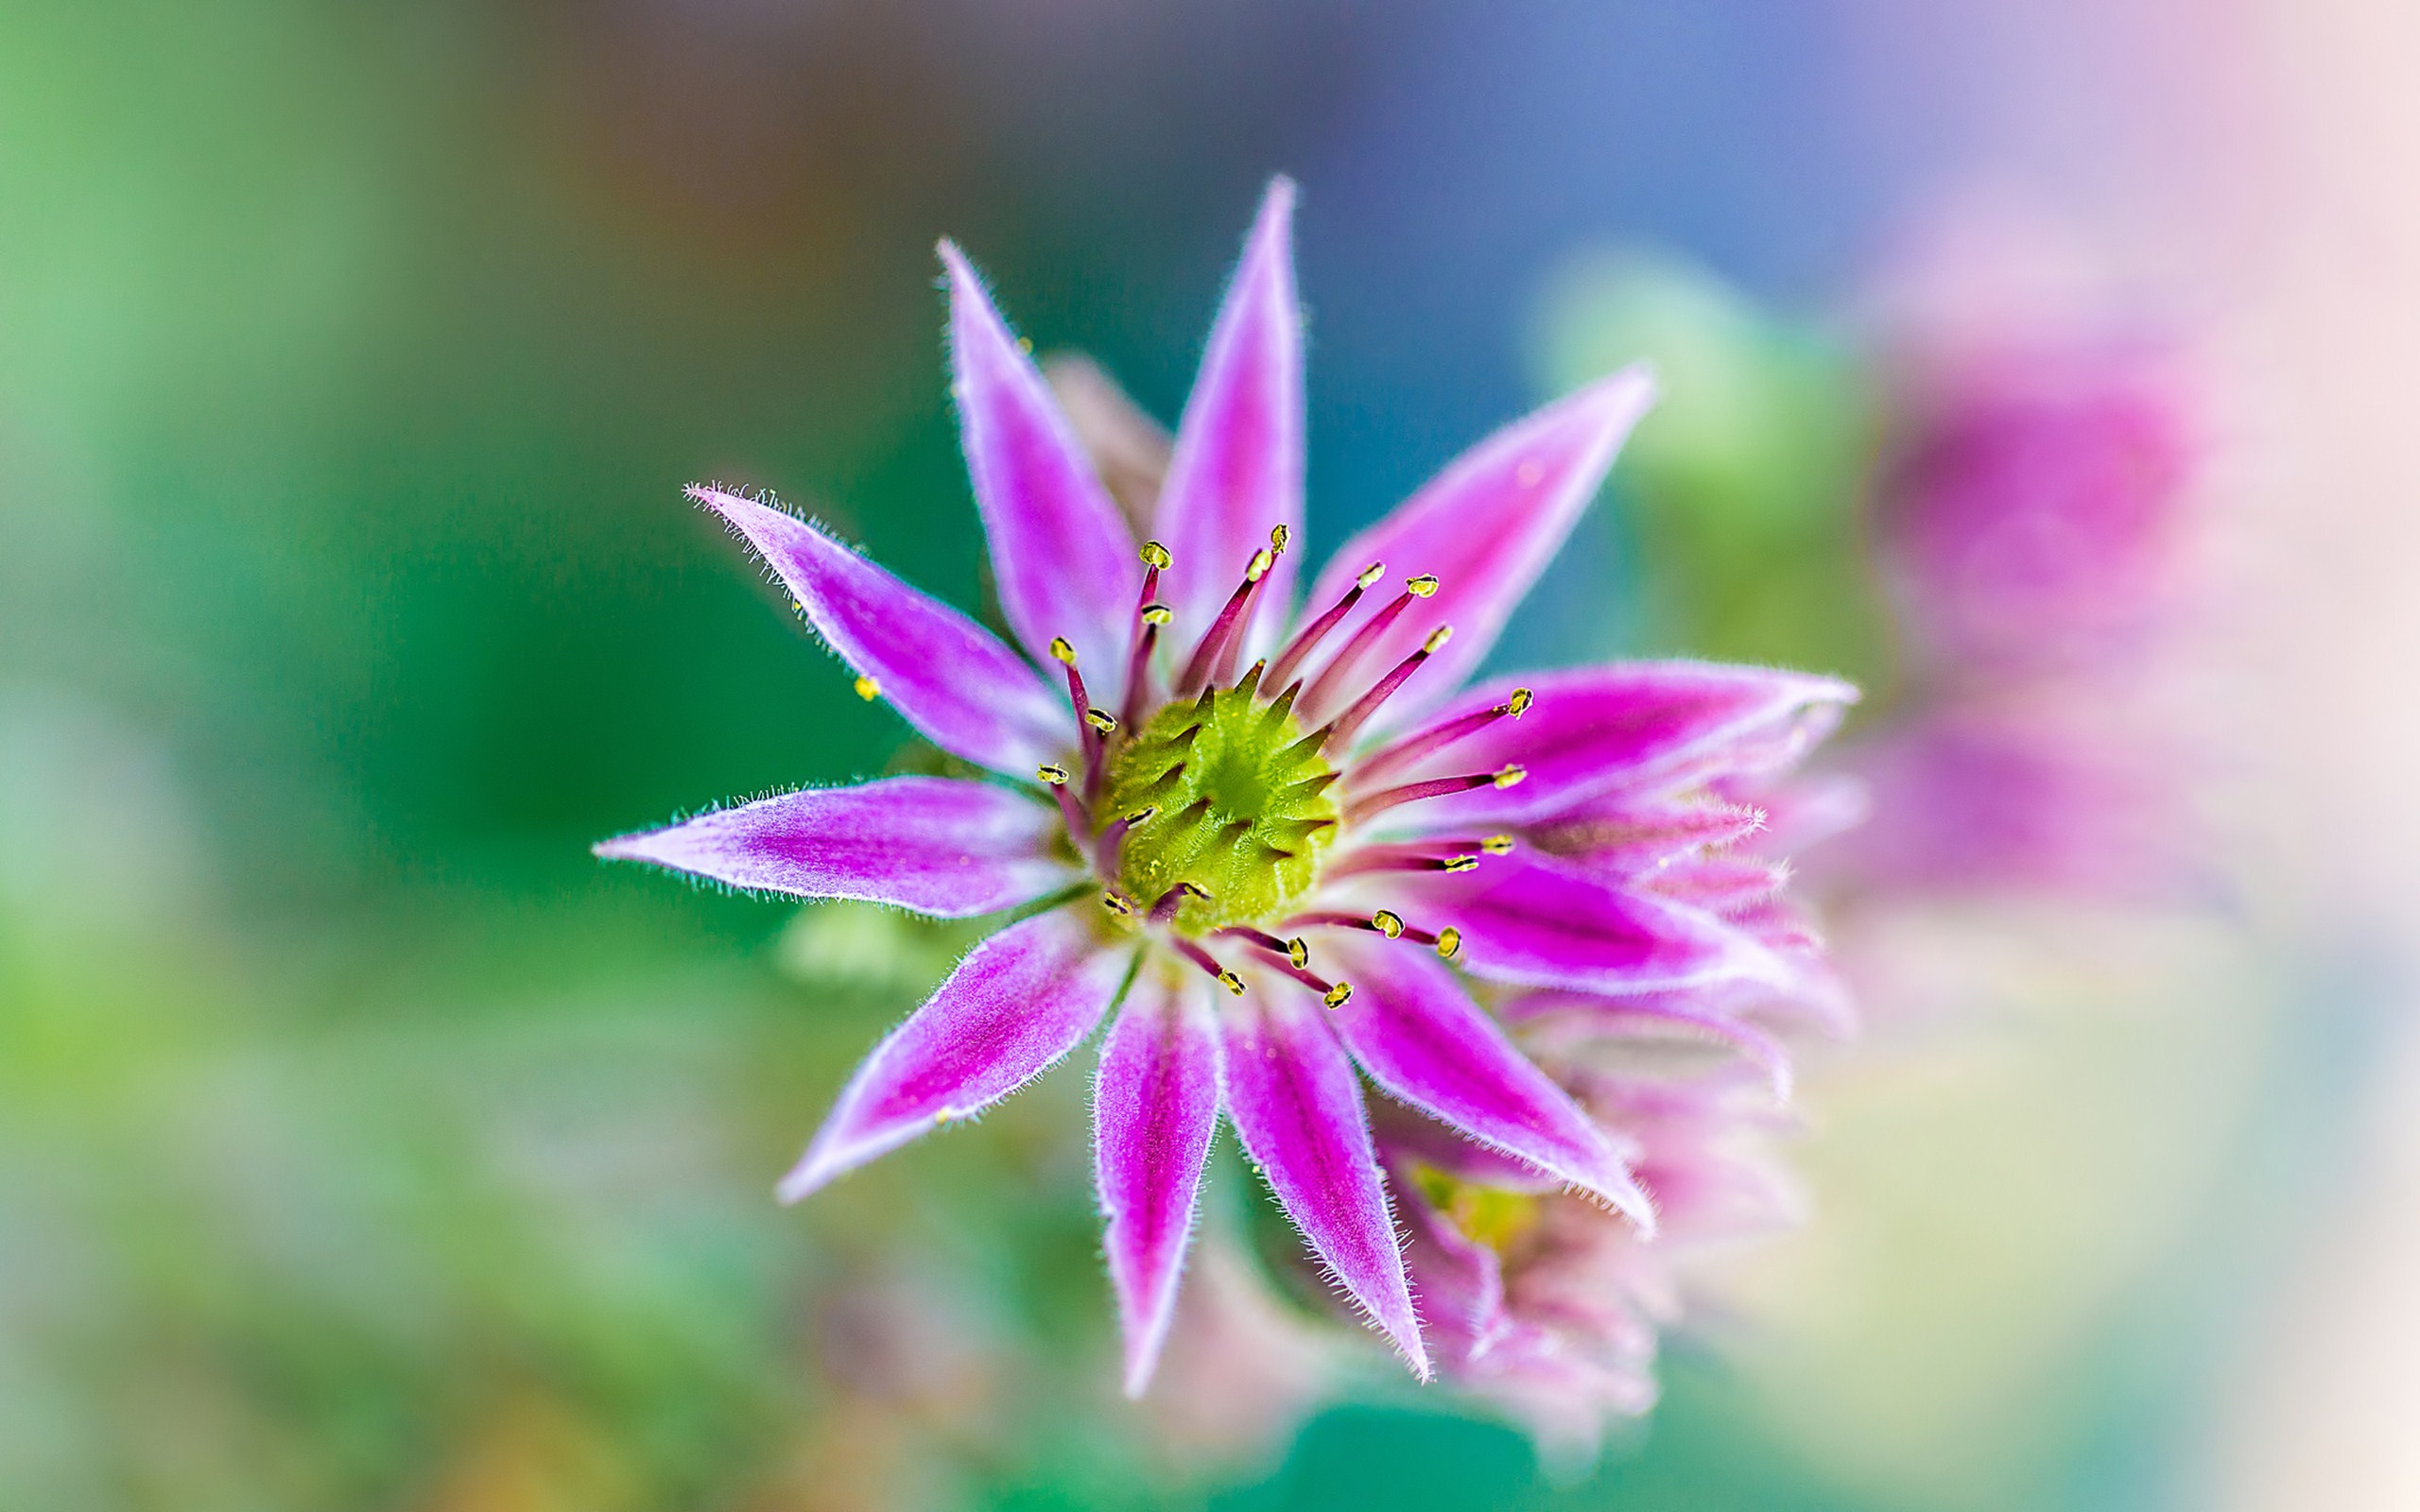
<point x="1519" y="703"/>
<point x="1055" y="776"/>
<point x="1157" y="614"/>
<point x="1232" y="983"/>
<point x="1437" y="639"/>
<point x="940" y="1119"/>
<point x="1298" y="951"/>
<point x="1424" y="586"/>
<point x="1339" y="995"/>
<point x="1103" y="720"/>
<point x="1059" y="649"/>
<point x="1449" y="942"/>
<point x="1155" y="554"/>
<point x="1388" y="922"/>
<point x="1498" y="844"/>
<point x="1262" y="560"/>
<point x="1371" y="573"/>
<point x="1025" y="343"/>
<point x="1462" y="863"/>
<point x="1513" y="775"/>
<point x="868" y="689"/>
<point x="1143" y="816"/>
<point x="1194" y="890"/>
<point x="1115" y="905"/>
<point x="1278" y="536"/>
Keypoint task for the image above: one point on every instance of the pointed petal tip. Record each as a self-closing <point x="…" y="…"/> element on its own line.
<point x="1276" y="217"/>
<point x="1142" y="1363"/>
<point x="816" y="1169"/>
<point x="962" y="277"/>
<point x="1621" y="397"/>
<point x="1415" y="1354"/>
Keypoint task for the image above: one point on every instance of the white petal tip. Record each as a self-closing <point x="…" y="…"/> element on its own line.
<point x="806" y="1178"/>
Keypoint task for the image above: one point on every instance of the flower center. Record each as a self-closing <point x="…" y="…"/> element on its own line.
<point x="1239" y="808"/>
<point x="1487" y="1215"/>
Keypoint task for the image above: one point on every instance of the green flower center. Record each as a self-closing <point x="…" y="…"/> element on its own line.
<point x="1239" y="809"/>
<point x="1486" y="1215"/>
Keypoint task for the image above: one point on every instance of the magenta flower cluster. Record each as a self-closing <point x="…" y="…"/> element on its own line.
<point x="1281" y="851"/>
<point x="2032" y="527"/>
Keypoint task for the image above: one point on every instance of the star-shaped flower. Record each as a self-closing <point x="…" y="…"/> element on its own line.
<point x="1275" y="843"/>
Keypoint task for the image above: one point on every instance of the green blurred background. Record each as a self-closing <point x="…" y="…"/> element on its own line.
<point x="364" y="1144"/>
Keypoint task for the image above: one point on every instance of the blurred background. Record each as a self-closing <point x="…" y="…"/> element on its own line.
<point x="365" y="1143"/>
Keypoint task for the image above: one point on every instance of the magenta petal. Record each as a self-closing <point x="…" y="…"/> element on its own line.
<point x="1486" y="526"/>
<point x="1019" y="1001"/>
<point x="1566" y="1025"/>
<point x="933" y="844"/>
<point x="1238" y="469"/>
<point x="1628" y="834"/>
<point x="1535" y="920"/>
<point x="1297" y="1107"/>
<point x="1061" y="552"/>
<point x="1420" y="1037"/>
<point x="946" y="675"/>
<point x="1635" y="727"/>
<point x="1155" y="1105"/>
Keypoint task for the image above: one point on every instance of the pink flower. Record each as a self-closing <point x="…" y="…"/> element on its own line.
<point x="2032" y="528"/>
<point x="2031" y="519"/>
<point x="1274" y="846"/>
<point x="1544" y="1303"/>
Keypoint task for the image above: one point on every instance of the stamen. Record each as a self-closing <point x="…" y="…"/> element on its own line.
<point x="1423" y="856"/>
<point x="1295" y="951"/>
<point x="1334" y="994"/>
<point x="1448" y="940"/>
<point x="1118" y="904"/>
<point x="869" y="689"/>
<point x="1341" y="734"/>
<point x="1342" y="664"/>
<point x="1227" y="627"/>
<point x="1262" y="561"/>
<point x="1310" y="635"/>
<point x="1209" y="963"/>
<point x="1085" y="725"/>
<point x="1429" y="742"/>
<point x="1150" y="615"/>
<point x="1164" y="907"/>
<point x="1108" y="850"/>
<point x="1080" y="821"/>
<point x="1375" y="803"/>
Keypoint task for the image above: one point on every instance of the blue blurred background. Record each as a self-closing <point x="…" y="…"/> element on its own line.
<point x="363" y="1144"/>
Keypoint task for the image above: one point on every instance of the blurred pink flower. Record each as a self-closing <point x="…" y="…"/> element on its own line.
<point x="1546" y="1304"/>
<point x="2032" y="528"/>
<point x="2031" y="520"/>
<point x="1174" y="824"/>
